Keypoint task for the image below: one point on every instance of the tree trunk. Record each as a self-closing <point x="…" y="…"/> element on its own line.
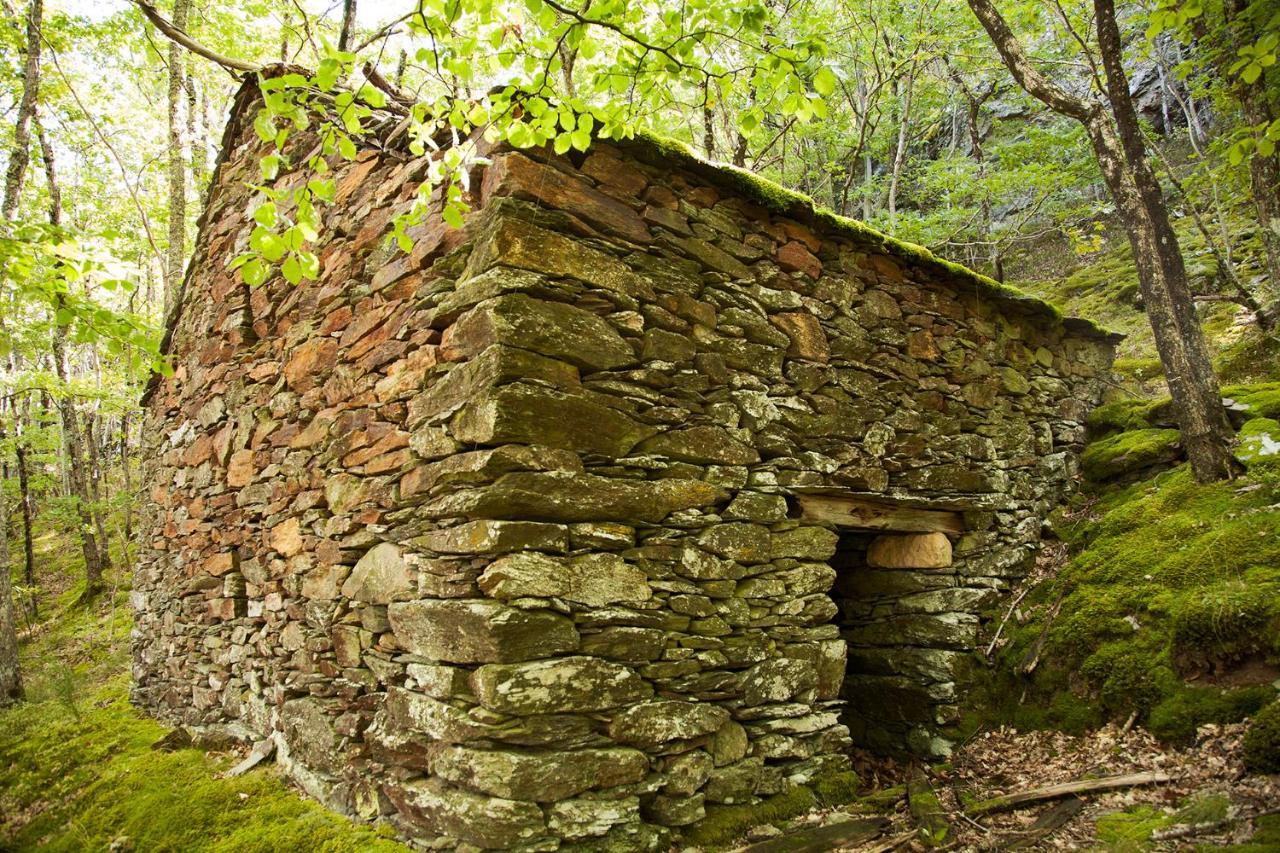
<point x="348" y="24"/>
<point x="10" y="673"/>
<point x="20" y="155"/>
<point x="1162" y="279"/>
<point x="1264" y="172"/>
<point x="1206" y="434"/>
<point x="73" y="443"/>
<point x="177" y="175"/>
<point x="94" y="474"/>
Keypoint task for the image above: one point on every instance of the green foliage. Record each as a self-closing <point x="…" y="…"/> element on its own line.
<point x="1132" y="828"/>
<point x="1177" y="716"/>
<point x="1262" y="741"/>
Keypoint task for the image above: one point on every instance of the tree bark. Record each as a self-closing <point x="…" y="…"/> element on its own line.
<point x="10" y="671"/>
<point x="177" y="175"/>
<point x="73" y="442"/>
<point x="1206" y="433"/>
<point x="348" y="24"/>
<point x="20" y="155"/>
<point x="1139" y="201"/>
<point x="19" y="158"/>
<point x="1264" y="172"/>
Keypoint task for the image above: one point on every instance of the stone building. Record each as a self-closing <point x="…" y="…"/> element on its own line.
<point x="648" y="490"/>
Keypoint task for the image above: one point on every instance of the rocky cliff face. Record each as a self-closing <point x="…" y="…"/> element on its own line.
<point x="540" y="535"/>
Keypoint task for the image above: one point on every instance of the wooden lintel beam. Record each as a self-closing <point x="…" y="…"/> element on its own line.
<point x="864" y="514"/>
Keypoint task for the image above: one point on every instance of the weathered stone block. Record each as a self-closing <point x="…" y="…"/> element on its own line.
<point x="594" y="579"/>
<point x="550" y="328"/>
<point x="381" y="576"/>
<point x="531" y="414"/>
<point x="649" y="725"/>
<point x="488" y="822"/>
<point x="910" y="551"/>
<point x="541" y="777"/>
<point x="573" y="684"/>
<point x="479" y="631"/>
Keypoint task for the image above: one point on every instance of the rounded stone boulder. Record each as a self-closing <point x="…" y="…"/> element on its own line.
<point x="910" y="551"/>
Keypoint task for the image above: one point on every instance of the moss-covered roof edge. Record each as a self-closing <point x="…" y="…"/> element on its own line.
<point x="662" y="150"/>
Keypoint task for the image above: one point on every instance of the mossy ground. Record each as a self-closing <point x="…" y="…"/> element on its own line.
<point x="1169" y="606"/>
<point x="77" y="771"/>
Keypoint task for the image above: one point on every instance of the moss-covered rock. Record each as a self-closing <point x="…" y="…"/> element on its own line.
<point x="1168" y="580"/>
<point x="1259" y="442"/>
<point x="1262" y="741"/>
<point x="1132" y="453"/>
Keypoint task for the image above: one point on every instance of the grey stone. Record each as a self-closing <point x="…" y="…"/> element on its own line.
<point x="381" y="576"/>
<point x="542" y="776"/>
<point x="565" y="684"/>
<point x="479" y="631"/>
<point x="649" y="725"/>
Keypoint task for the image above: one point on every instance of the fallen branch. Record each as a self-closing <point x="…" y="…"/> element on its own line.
<point x="1186" y="830"/>
<point x="1009" y="802"/>
<point x="175" y="34"/>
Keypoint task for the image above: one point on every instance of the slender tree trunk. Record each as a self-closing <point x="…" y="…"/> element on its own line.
<point x="348" y="24"/>
<point x="20" y="155"/>
<point x="177" y="175"/>
<point x="93" y="475"/>
<point x="1121" y="154"/>
<point x="19" y="158"/>
<point x="73" y="441"/>
<point x="10" y="672"/>
<point x="900" y="149"/>
<point x="1206" y="434"/>
<point x="1264" y="172"/>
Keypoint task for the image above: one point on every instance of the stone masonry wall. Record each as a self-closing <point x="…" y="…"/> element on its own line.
<point x="500" y="539"/>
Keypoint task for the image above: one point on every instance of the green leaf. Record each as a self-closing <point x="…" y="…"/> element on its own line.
<point x="824" y="82"/>
<point x="291" y="269"/>
<point x="452" y="216"/>
<point x="254" y="272"/>
<point x="265" y="214"/>
<point x="346" y="147"/>
<point x="563" y="143"/>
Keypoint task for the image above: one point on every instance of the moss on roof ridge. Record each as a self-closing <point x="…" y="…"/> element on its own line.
<point x="797" y="205"/>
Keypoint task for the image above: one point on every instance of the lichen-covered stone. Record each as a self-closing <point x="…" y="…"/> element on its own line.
<point x="489" y="822"/>
<point x="652" y="724"/>
<point x="479" y="631"/>
<point x="381" y="576"/>
<point x="542" y="777"/>
<point x="548" y="328"/>
<point x="594" y="579"/>
<point x="576" y="684"/>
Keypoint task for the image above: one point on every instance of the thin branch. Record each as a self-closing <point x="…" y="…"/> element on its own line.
<point x="191" y="44"/>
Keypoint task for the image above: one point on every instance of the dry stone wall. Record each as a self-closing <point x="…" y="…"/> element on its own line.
<point x="500" y="539"/>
